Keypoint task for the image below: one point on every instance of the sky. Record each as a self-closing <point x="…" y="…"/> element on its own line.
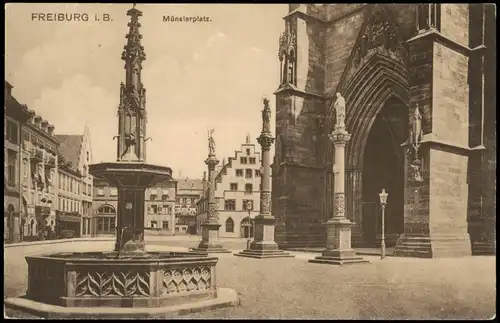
<point x="197" y="75"/>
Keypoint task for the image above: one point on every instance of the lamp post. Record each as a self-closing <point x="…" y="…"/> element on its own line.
<point x="249" y="207"/>
<point x="383" y="202"/>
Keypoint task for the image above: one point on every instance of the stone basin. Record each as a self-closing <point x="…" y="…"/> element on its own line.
<point x="101" y="279"/>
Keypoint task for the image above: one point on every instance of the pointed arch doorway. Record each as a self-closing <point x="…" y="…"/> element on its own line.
<point x="383" y="167"/>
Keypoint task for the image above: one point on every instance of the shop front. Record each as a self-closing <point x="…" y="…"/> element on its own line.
<point x="68" y="224"/>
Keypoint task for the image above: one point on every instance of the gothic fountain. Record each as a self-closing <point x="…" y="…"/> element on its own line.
<point x="128" y="282"/>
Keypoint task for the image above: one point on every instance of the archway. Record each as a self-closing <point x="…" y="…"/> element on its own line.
<point x="383" y="162"/>
<point x="246" y="228"/>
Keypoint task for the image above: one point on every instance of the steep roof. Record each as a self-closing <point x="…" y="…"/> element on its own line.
<point x="70" y="148"/>
<point x="190" y="184"/>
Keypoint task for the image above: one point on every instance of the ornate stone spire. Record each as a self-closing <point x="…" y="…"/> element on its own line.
<point x="132" y="109"/>
<point x="133" y="53"/>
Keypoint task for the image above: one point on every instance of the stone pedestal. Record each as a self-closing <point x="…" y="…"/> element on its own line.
<point x="210" y="242"/>
<point x="264" y="245"/>
<point x="338" y="229"/>
<point x="338" y="245"/>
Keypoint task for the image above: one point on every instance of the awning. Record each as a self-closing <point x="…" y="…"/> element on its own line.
<point x="69" y="218"/>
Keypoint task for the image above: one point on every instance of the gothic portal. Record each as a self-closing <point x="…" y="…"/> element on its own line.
<point x="419" y="82"/>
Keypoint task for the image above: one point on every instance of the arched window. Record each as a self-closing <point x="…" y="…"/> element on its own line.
<point x="229" y="225"/>
<point x="106" y="209"/>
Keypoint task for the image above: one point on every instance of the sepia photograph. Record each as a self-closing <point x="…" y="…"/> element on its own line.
<point x="250" y="161"/>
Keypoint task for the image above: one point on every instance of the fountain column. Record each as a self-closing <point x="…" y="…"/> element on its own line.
<point x="264" y="245"/>
<point x="338" y="228"/>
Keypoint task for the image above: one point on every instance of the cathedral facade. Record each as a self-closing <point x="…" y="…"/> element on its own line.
<point x="419" y="84"/>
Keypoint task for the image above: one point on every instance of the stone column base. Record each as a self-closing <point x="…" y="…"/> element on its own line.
<point x="264" y="245"/>
<point x="338" y="242"/>
<point x="210" y="242"/>
<point x="433" y="246"/>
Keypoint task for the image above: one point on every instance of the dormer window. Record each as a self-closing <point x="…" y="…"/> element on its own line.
<point x="43" y="125"/>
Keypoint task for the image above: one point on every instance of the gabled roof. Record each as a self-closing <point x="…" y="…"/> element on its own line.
<point x="70" y="148"/>
<point x="190" y="184"/>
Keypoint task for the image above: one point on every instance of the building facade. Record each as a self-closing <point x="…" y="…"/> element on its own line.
<point x="419" y="82"/>
<point x="189" y="192"/>
<point x="104" y="206"/>
<point x="160" y="202"/>
<point x="15" y="116"/>
<point x="39" y="178"/>
<point x="237" y="185"/>
<point x="75" y="184"/>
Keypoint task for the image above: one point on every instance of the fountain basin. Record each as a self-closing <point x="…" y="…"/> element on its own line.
<point x="95" y="279"/>
<point x="131" y="174"/>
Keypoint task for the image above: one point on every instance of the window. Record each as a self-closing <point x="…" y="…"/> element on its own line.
<point x="248" y="173"/>
<point x="246" y="204"/>
<point x="428" y="16"/>
<point x="26" y="140"/>
<point x="153" y="224"/>
<point x="88" y="156"/>
<point x="154" y="208"/>
<point x="113" y="191"/>
<point x="230" y="205"/>
<point x="106" y="225"/>
<point x="89" y="189"/>
<point x="248" y="188"/>
<point x="164" y="224"/>
<point x="12" y="132"/>
<point x="243" y="160"/>
<point x="106" y="209"/>
<point x="100" y="192"/>
<point x="252" y="160"/>
<point x="166" y="209"/>
<point x="239" y="172"/>
<point x="257" y="173"/>
<point x="229" y="225"/>
<point x="11" y="164"/>
<point x="164" y="197"/>
<point x="184" y="200"/>
<point x="234" y="186"/>
<point x="248" y="152"/>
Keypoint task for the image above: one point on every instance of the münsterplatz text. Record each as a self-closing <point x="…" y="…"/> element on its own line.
<point x="69" y="17"/>
<point x="192" y="19"/>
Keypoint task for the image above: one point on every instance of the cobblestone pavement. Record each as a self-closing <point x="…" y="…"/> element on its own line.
<point x="393" y="288"/>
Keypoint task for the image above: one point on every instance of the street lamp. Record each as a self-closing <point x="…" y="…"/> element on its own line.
<point x="249" y="207"/>
<point x="383" y="202"/>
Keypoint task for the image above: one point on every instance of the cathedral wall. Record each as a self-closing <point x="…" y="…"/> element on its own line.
<point x="455" y="22"/>
<point x="340" y="39"/>
<point x="450" y="115"/>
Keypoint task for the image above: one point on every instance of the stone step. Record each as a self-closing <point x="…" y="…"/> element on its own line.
<point x="264" y="254"/>
<point x="339" y="261"/>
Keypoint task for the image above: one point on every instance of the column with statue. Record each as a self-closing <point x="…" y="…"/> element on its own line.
<point x="210" y="242"/>
<point x="338" y="228"/>
<point x="264" y="245"/>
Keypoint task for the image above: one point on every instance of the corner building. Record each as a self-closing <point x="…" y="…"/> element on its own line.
<point x="419" y="81"/>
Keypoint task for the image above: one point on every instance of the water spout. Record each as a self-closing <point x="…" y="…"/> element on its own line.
<point x="121" y="243"/>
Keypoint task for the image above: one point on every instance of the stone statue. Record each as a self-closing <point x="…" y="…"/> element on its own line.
<point x="340" y="110"/>
<point x="417" y="132"/>
<point x="129" y="143"/>
<point x="266" y="116"/>
<point x="211" y="142"/>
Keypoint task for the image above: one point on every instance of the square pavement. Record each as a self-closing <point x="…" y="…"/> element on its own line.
<point x="393" y="288"/>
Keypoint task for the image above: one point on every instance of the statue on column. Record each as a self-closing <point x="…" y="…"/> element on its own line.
<point x="340" y="110"/>
<point x="211" y="142"/>
<point x="266" y="117"/>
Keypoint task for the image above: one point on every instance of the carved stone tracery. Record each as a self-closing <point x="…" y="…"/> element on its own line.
<point x="265" y="200"/>
<point x="185" y="280"/>
<point x="112" y="283"/>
